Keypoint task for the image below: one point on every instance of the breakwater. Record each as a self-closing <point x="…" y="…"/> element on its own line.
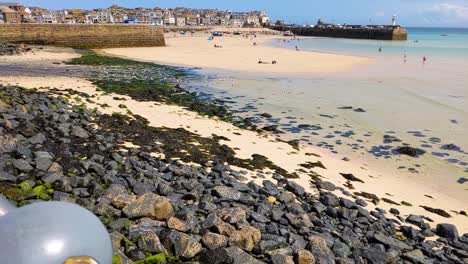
<point x="387" y="33"/>
<point x="82" y="36"/>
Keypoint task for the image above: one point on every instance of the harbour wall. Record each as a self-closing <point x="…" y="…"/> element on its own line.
<point x="83" y="36"/>
<point x="354" y="33"/>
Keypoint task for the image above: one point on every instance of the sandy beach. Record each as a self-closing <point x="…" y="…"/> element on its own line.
<point x="239" y="54"/>
<point x="383" y="182"/>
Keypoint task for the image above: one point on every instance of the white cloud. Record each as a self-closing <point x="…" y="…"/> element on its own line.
<point x="446" y="13"/>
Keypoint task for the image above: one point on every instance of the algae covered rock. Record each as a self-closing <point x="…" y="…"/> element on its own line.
<point x="149" y="205"/>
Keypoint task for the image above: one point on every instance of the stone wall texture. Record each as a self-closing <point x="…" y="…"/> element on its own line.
<point x="83" y="36"/>
<point x="357" y="33"/>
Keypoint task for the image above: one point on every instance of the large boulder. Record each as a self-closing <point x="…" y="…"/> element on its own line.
<point x="149" y="205"/>
<point x="245" y="238"/>
<point x="227" y="193"/>
<point x="448" y="231"/>
<point x="213" y="241"/>
<point x="232" y="215"/>
<point x="318" y="247"/>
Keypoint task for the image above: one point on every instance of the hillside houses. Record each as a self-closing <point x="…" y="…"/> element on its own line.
<point x="16" y="13"/>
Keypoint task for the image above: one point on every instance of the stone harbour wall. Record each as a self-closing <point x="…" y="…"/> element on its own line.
<point x="83" y="36"/>
<point x="353" y="33"/>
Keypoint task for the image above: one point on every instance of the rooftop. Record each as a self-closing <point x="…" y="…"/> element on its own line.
<point x="6" y="9"/>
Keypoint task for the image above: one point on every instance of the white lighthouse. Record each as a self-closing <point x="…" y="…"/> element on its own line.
<point x="394" y="21"/>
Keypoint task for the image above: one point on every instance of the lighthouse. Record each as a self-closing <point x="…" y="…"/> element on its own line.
<point x="394" y="21"/>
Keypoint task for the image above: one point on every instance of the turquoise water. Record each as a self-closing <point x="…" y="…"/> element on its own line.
<point x="430" y="42"/>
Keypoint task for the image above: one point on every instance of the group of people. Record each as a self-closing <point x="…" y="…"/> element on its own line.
<point x="405" y="56"/>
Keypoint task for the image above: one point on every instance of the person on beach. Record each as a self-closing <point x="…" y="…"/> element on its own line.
<point x="424" y="59"/>
<point x="404" y="57"/>
<point x="380" y="49"/>
<point x="297" y="49"/>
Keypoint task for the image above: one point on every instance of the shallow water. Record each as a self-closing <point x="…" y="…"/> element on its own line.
<point x="425" y="106"/>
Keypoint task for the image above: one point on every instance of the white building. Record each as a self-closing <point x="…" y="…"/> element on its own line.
<point x="265" y="20"/>
<point x="180" y="21"/>
<point x="91" y="18"/>
<point x="253" y="20"/>
<point x="105" y="17"/>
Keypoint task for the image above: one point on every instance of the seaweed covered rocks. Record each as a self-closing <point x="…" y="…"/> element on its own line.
<point x="161" y="210"/>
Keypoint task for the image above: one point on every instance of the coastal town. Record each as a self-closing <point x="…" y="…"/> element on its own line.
<point x="15" y="12"/>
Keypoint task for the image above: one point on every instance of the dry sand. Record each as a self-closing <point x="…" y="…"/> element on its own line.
<point x="44" y="55"/>
<point x="238" y="54"/>
<point x="248" y="143"/>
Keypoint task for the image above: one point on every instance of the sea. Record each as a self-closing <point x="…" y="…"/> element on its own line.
<point x="367" y="113"/>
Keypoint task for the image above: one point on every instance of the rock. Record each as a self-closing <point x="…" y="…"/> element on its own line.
<point x="39" y="138"/>
<point x="271" y="199"/>
<point x="227" y="193"/>
<point x="118" y="195"/>
<point x="304" y="257"/>
<point x="43" y="163"/>
<point x="177" y="224"/>
<point x="390" y="241"/>
<point x="281" y="259"/>
<point x="295" y="188"/>
<point x="415" y="256"/>
<point x="232" y="215"/>
<point x="329" y="199"/>
<point x="224" y="229"/>
<point x="231" y="255"/>
<point x="213" y="241"/>
<point x="185" y="246"/>
<point x="326" y="185"/>
<point x="240" y="257"/>
<point x="318" y="247"/>
<point x="22" y="165"/>
<point x="341" y="250"/>
<point x="415" y="220"/>
<point x="447" y="231"/>
<point x="374" y="256"/>
<point x="267" y="246"/>
<point x="149" y="205"/>
<point x="259" y="217"/>
<point x="246" y="238"/>
<point x="5" y="176"/>
<point x="410" y="151"/>
<point x="79" y="132"/>
<point x="148" y="241"/>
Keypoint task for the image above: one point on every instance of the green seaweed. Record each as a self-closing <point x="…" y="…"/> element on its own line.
<point x="406" y="203"/>
<point x="116" y="259"/>
<point x="159" y="258"/>
<point x="42" y="192"/>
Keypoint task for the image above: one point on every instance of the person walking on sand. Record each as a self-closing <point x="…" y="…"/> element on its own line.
<point x="404" y="57"/>
<point x="424" y="59"/>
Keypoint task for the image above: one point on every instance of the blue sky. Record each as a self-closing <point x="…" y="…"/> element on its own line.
<point x="410" y="12"/>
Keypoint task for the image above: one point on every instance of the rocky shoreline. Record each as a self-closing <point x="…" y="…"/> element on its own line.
<point x="159" y="209"/>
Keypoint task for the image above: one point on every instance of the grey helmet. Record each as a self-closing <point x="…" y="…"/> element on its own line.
<point x="52" y="233"/>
